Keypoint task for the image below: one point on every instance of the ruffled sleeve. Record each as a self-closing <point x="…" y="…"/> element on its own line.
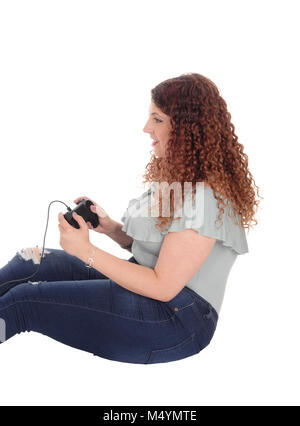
<point x="138" y="224"/>
<point x="201" y="215"/>
<point x="125" y="215"/>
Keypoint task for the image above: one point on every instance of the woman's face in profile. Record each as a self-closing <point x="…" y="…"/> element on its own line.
<point x="158" y="126"/>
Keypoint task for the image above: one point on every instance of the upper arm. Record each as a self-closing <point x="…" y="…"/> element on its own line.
<point x="181" y="255"/>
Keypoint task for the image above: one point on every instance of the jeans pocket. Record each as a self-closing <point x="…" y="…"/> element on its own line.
<point x="184" y="349"/>
<point x="206" y="321"/>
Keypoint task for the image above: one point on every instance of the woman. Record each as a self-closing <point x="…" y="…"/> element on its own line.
<point x="163" y="303"/>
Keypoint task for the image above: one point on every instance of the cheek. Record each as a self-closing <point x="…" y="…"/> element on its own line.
<point x="164" y="141"/>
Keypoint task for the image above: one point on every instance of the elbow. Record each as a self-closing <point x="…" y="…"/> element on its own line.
<point x="168" y="294"/>
<point x="164" y="294"/>
<point x="166" y="297"/>
<point x="162" y="290"/>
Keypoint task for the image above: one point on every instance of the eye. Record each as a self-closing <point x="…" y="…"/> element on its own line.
<point x="158" y="120"/>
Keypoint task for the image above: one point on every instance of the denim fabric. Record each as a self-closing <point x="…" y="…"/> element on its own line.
<point x="82" y="308"/>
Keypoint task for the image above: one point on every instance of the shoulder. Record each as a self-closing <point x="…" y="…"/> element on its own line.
<point x="202" y="213"/>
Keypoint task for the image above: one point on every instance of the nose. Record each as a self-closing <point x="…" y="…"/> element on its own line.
<point x="145" y="129"/>
<point x="148" y="128"/>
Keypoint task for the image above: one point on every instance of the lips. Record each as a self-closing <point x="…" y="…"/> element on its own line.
<point x="154" y="143"/>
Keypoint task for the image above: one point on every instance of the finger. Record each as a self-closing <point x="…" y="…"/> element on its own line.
<point x="100" y="211"/>
<point x="61" y="218"/>
<point x="63" y="222"/>
<point x="80" y="198"/>
<point x="80" y="220"/>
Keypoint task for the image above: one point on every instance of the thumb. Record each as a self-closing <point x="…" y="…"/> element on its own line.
<point x="80" y="220"/>
<point x="100" y="211"/>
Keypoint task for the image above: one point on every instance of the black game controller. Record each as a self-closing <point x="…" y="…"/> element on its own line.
<point x="83" y="209"/>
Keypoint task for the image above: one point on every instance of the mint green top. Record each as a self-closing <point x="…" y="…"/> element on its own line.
<point x="210" y="280"/>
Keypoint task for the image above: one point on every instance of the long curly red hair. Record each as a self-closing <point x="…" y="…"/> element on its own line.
<point x="202" y="147"/>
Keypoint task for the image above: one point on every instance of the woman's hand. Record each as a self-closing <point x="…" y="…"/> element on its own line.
<point x="106" y="224"/>
<point x="73" y="241"/>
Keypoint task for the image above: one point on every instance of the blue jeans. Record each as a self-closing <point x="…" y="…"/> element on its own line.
<point x="82" y="308"/>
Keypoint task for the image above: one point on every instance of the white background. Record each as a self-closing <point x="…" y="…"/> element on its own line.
<point x="75" y="81"/>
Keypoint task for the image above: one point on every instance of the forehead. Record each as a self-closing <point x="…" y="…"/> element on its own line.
<point x="154" y="109"/>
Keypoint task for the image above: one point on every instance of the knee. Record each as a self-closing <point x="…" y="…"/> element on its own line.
<point x="33" y="253"/>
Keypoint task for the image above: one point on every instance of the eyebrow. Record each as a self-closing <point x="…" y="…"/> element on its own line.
<point x="155" y="113"/>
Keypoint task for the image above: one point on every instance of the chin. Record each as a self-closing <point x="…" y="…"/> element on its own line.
<point x="157" y="153"/>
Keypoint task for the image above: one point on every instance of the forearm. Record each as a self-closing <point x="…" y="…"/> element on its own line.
<point x="136" y="278"/>
<point x="120" y="237"/>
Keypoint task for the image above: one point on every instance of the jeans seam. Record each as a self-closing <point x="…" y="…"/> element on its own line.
<point x="180" y="309"/>
<point x="206" y="302"/>
<point x="86" y="307"/>
<point x="190" y="337"/>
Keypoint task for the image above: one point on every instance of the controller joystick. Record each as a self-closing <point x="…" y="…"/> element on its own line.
<point x="83" y="209"/>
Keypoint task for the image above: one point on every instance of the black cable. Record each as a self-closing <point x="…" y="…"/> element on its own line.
<point x="30" y="276"/>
